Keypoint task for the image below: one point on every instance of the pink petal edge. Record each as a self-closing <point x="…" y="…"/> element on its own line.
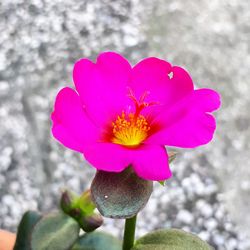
<point x="71" y="126"/>
<point x="102" y="86"/>
<point x="149" y="162"/>
<point x="188" y="123"/>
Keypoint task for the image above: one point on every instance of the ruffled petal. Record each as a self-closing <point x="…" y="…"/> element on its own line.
<point x="187" y="124"/>
<point x="150" y="162"/>
<point x="165" y="84"/>
<point x="102" y="86"/>
<point x="107" y="156"/>
<point x="71" y="126"/>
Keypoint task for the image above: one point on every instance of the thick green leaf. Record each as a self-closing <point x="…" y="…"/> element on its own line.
<point x="55" y="231"/>
<point x="97" y="241"/>
<point x="25" y="228"/>
<point x="120" y="195"/>
<point x="171" y="239"/>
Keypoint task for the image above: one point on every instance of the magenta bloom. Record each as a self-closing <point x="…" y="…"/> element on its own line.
<point x="121" y="115"/>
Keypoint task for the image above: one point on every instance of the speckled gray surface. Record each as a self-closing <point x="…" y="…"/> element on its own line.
<point x="39" y="42"/>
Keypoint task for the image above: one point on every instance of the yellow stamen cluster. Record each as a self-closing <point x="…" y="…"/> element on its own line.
<point x="130" y="130"/>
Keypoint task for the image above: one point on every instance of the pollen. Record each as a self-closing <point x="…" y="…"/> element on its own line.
<point x="130" y="130"/>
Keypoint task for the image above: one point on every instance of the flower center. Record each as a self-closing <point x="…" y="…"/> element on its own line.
<point x="132" y="129"/>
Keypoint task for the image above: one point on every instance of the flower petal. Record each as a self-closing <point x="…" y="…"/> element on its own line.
<point x="107" y="156"/>
<point x="102" y="85"/>
<point x="71" y="126"/>
<point x="187" y="124"/>
<point x="152" y="75"/>
<point x="151" y="162"/>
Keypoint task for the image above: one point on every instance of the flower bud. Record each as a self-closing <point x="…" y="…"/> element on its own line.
<point x="68" y="200"/>
<point x="86" y="204"/>
<point x="75" y="213"/>
<point x="90" y="223"/>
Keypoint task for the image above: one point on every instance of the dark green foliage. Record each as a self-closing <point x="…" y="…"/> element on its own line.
<point x="97" y="241"/>
<point x="55" y="231"/>
<point x="171" y="239"/>
<point x="25" y="228"/>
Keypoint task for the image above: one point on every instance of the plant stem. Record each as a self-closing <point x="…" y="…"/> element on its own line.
<point x="129" y="233"/>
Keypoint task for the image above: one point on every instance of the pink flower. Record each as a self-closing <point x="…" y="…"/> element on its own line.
<point x="121" y="115"/>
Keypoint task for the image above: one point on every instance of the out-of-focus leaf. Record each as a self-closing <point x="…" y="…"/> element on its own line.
<point x="171" y="239"/>
<point x="29" y="219"/>
<point x="97" y="241"/>
<point x="55" y="231"/>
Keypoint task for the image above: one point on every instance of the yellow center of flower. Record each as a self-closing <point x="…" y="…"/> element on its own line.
<point x="130" y="130"/>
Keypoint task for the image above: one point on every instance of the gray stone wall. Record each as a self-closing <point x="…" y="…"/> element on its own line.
<point x="39" y="43"/>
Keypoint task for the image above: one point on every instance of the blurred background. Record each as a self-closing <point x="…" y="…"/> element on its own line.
<point x="40" y="40"/>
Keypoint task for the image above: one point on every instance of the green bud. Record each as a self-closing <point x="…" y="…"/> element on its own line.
<point x="86" y="204"/>
<point x="75" y="213"/>
<point x="81" y="208"/>
<point x="68" y="201"/>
